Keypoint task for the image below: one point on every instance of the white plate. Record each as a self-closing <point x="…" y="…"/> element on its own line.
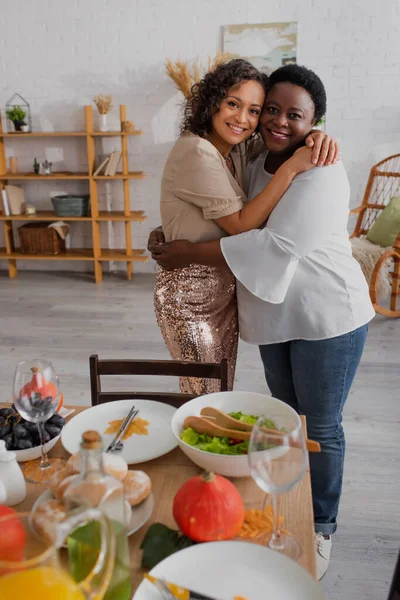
<point x="137" y="448"/>
<point x="227" y="569"/>
<point x="140" y="513"/>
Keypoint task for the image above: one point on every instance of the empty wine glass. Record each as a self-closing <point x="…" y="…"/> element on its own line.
<point x="36" y="395"/>
<point x="277" y="460"/>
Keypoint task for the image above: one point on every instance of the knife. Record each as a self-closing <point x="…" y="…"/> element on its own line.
<point x="175" y="591"/>
<point x="124" y="425"/>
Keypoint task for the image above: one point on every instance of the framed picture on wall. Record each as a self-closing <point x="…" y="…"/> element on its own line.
<point x="266" y="45"/>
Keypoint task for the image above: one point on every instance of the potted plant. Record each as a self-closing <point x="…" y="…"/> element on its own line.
<point x="17" y="116"/>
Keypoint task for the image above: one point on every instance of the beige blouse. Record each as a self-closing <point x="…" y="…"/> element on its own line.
<point x="197" y="187"/>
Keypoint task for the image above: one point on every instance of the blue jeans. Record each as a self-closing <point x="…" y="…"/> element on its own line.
<point x="315" y="378"/>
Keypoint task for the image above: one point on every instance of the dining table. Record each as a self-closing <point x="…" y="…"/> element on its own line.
<point x="169" y="472"/>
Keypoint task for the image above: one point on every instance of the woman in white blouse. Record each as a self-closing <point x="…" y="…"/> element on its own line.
<point x="301" y="296"/>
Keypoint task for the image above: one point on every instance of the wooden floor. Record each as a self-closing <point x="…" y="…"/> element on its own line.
<point x="66" y="317"/>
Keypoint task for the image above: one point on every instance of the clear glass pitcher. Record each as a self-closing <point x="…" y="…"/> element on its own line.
<point x="30" y="565"/>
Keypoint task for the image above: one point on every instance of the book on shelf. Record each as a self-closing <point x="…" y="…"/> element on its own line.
<point x="6" y="208"/>
<point x="101" y="166"/>
<point x="113" y="163"/>
<point x="15" y="199"/>
<point x="109" y="165"/>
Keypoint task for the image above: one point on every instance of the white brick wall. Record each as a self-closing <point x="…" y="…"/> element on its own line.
<point x="59" y="54"/>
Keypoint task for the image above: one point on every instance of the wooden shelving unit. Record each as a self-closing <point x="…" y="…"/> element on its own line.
<point x="96" y="254"/>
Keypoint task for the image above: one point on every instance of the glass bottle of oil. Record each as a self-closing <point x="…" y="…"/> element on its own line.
<point x="96" y="489"/>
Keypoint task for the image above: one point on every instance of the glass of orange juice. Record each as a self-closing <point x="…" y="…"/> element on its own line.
<point x="30" y="564"/>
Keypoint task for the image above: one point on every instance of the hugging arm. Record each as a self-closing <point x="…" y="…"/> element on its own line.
<point x="202" y="180"/>
<point x="182" y="253"/>
<point x="314" y="207"/>
<point x="320" y="149"/>
<point x="265" y="260"/>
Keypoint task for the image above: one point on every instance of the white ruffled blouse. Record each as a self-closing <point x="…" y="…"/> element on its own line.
<point x="297" y="278"/>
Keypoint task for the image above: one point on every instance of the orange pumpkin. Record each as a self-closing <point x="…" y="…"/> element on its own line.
<point x="208" y="508"/>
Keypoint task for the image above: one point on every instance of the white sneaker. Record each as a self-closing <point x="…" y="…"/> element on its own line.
<point x="323" y="549"/>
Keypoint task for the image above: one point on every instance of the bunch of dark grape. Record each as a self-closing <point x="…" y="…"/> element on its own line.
<point x="19" y="434"/>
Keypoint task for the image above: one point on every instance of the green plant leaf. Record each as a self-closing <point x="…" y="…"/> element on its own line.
<point x="159" y="542"/>
<point x="16" y="114"/>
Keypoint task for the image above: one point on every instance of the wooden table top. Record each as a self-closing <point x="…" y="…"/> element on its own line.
<point x="170" y="471"/>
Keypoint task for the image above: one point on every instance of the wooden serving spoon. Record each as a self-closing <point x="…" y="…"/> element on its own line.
<point x="234" y="428"/>
<point x="224" y="420"/>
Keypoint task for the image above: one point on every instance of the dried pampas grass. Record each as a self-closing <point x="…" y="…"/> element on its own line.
<point x="220" y="57"/>
<point x="181" y="75"/>
<point x="103" y="103"/>
<point x="185" y="76"/>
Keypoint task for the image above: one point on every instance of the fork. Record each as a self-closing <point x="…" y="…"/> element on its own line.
<point x="164" y="589"/>
<point x="116" y="445"/>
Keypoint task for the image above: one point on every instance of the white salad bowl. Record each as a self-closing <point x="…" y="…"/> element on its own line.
<point x="249" y="403"/>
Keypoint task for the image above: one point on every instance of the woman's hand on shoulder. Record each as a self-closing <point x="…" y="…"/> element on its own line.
<point x="300" y="161"/>
<point x="325" y="149"/>
<point x="173" y="255"/>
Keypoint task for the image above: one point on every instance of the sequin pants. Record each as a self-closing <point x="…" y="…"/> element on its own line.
<point x="197" y="313"/>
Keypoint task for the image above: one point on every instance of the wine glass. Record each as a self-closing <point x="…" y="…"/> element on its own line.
<point x="36" y="394"/>
<point x="278" y="460"/>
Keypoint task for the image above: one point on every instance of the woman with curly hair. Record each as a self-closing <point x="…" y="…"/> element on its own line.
<point x="202" y="199"/>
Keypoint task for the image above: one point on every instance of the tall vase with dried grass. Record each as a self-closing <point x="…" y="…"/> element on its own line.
<point x="185" y="75"/>
<point x="104" y="105"/>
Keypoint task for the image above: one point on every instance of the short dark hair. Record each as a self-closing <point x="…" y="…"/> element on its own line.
<point x="206" y="95"/>
<point x="306" y="79"/>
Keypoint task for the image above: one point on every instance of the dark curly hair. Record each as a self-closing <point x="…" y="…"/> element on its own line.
<point x="206" y="95"/>
<point x="306" y="79"/>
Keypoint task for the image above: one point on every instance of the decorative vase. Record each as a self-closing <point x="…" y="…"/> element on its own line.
<point x="103" y="123"/>
<point x="13" y="165"/>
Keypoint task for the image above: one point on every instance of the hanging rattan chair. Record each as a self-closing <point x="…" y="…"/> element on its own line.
<point x="383" y="184"/>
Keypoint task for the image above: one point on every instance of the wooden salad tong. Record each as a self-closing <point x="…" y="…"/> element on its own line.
<point x="214" y="422"/>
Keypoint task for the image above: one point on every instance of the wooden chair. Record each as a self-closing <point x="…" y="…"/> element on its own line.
<point x="383" y="184"/>
<point x="168" y="368"/>
<point x="394" y="593"/>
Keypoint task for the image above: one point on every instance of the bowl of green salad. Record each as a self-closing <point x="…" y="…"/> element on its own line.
<point x="226" y="455"/>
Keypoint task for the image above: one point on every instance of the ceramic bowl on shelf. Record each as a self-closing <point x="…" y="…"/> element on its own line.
<point x="247" y="402"/>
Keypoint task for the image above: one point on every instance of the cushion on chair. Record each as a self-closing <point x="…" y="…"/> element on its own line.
<point x="367" y="255"/>
<point x="387" y="226"/>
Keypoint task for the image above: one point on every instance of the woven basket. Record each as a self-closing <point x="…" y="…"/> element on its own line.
<point x="39" y="238"/>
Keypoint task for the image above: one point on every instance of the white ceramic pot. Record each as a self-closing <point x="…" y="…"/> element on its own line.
<point x="13" y="486"/>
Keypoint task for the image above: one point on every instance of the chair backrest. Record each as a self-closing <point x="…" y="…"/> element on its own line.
<point x="168" y="368"/>
<point x="394" y="593"/>
<point x="383" y="184"/>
